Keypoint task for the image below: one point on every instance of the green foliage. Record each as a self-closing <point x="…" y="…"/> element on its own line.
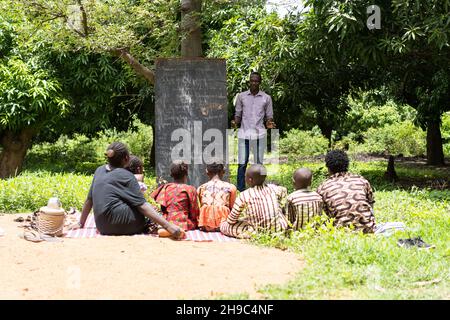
<point x="397" y="138"/>
<point x="29" y="93"/>
<point x="251" y="40"/>
<point x="82" y="154"/>
<point x="371" y="109"/>
<point x="297" y="143"/>
<point x="30" y="191"/>
<point x="152" y="29"/>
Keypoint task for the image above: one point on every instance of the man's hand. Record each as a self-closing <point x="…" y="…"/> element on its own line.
<point x="234" y="124"/>
<point x="270" y="124"/>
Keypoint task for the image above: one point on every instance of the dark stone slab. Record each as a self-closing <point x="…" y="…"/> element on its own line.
<point x="191" y="113"/>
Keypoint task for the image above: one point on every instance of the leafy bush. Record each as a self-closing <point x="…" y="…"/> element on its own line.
<point x="30" y="191"/>
<point x="303" y="143"/>
<point x="82" y="154"/>
<point x="404" y="138"/>
<point x="372" y="110"/>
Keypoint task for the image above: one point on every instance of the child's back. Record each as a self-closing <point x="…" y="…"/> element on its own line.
<point x="261" y="206"/>
<point x="216" y="200"/>
<point x="302" y="205"/>
<point x="177" y="199"/>
<point x="256" y="208"/>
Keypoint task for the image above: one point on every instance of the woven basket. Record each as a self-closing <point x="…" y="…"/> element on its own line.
<point x="50" y="224"/>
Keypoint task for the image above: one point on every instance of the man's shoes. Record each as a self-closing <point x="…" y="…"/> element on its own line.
<point x="414" y="242"/>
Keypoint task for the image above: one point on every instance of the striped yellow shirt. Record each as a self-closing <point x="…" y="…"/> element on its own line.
<point x="258" y="206"/>
<point x="302" y="205"/>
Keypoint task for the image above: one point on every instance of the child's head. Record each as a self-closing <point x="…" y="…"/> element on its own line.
<point x="255" y="175"/>
<point x="337" y="161"/>
<point x="117" y="154"/>
<point x="215" y="169"/>
<point x="179" y="171"/>
<point x="135" y="165"/>
<point x="302" y="178"/>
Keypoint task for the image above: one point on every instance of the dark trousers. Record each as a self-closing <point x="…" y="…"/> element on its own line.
<point x="258" y="146"/>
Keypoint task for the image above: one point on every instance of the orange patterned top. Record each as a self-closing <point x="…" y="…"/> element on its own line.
<point x="216" y="199"/>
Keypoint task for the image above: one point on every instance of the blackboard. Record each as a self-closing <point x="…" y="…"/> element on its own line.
<point x="191" y="104"/>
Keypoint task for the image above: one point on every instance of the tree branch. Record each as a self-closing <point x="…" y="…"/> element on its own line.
<point x="148" y="74"/>
<point x="83" y="18"/>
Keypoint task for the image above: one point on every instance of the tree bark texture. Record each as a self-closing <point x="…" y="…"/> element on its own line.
<point x="15" y="146"/>
<point x="435" y="151"/>
<point x="191" y="33"/>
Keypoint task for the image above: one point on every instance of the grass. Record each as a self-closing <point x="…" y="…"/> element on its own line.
<point x="344" y="265"/>
<point x="339" y="264"/>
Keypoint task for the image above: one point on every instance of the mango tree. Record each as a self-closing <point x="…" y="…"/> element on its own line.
<point x="409" y="50"/>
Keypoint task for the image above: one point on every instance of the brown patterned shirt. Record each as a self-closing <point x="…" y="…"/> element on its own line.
<point x="302" y="205"/>
<point x="349" y="199"/>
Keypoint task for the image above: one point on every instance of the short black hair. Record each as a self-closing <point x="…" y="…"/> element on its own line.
<point x="337" y="161"/>
<point x="215" y="168"/>
<point x="256" y="73"/>
<point x="178" y="170"/>
<point x="116" y="152"/>
<point x="258" y="173"/>
<point x="134" y="164"/>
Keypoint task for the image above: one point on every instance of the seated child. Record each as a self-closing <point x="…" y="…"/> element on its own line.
<point x="255" y="208"/>
<point x="216" y="198"/>
<point x="303" y="204"/>
<point x="136" y="167"/>
<point x="177" y="199"/>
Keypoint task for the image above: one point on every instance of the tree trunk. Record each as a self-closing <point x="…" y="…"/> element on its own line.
<point x="327" y="131"/>
<point x="15" y="146"/>
<point x="390" y="173"/>
<point x="435" y="152"/>
<point x="153" y="149"/>
<point x="191" y="33"/>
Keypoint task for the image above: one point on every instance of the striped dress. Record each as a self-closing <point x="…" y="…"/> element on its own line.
<point x="255" y="208"/>
<point x="302" y="205"/>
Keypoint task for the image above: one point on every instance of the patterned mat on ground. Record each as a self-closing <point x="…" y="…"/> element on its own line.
<point x="90" y="231"/>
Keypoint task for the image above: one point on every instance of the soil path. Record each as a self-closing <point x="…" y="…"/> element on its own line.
<point x="135" y="267"/>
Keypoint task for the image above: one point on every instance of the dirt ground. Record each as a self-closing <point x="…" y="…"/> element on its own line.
<point x="135" y="267"/>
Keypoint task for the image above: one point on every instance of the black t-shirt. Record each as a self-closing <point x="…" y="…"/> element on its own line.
<point x="116" y="195"/>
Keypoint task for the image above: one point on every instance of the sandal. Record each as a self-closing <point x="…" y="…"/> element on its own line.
<point x="34" y="236"/>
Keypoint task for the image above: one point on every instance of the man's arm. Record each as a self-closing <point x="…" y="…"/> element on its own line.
<point x="238" y="111"/>
<point x="270" y="124"/>
<point x="85" y="211"/>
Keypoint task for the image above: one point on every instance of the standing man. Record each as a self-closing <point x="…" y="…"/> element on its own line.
<point x="253" y="109"/>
